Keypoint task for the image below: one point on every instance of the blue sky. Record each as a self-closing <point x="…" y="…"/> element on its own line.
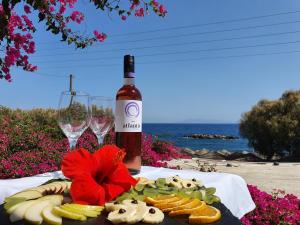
<point x="208" y="88"/>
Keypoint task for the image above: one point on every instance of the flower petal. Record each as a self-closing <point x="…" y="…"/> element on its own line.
<point x="121" y="176"/>
<point x="112" y="191"/>
<point x="85" y="190"/>
<point x="107" y="159"/>
<point x="78" y="162"/>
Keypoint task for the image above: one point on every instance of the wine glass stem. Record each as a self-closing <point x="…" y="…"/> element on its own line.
<point x="72" y="142"/>
<point x="100" y="139"/>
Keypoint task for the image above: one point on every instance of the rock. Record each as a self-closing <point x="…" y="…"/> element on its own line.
<point x="211" y="136"/>
<point x="189" y="151"/>
<point x="275" y="163"/>
<point x="228" y="165"/>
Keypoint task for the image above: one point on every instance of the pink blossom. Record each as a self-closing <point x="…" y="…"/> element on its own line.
<point x="100" y="36"/>
<point x="27" y="9"/>
<point x="51" y="9"/>
<point x="162" y="10"/>
<point x="123" y="17"/>
<point x="139" y="12"/>
<point x="77" y="16"/>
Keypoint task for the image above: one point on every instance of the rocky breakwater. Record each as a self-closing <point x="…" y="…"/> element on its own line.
<point x="224" y="155"/>
<point x="211" y="136"/>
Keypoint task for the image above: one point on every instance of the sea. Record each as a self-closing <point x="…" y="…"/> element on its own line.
<point x="175" y="133"/>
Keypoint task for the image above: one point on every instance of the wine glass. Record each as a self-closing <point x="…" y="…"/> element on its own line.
<point x="102" y="118"/>
<point x="74" y="114"/>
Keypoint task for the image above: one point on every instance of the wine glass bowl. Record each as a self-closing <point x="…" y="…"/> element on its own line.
<point x="74" y="114"/>
<point x="102" y="116"/>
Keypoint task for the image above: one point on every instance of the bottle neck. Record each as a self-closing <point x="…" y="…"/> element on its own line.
<point x="129" y="81"/>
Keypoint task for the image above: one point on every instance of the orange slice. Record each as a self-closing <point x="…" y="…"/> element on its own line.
<point x="163" y="197"/>
<point x="193" y="203"/>
<point x="207" y="215"/>
<point x="153" y="201"/>
<point x="188" y="211"/>
<point x="169" y="205"/>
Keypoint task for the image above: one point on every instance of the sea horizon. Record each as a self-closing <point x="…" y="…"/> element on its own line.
<point x="175" y="132"/>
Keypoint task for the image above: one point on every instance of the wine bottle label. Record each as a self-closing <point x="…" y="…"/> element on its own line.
<point x="128" y="116"/>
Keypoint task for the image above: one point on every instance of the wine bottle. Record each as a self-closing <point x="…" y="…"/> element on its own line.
<point x="128" y="118"/>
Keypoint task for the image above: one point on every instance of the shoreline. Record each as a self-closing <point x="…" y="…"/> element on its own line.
<point x="267" y="175"/>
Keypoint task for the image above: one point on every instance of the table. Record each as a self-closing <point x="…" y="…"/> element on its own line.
<point x="232" y="189"/>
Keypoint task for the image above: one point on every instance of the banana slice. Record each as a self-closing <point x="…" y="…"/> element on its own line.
<point x="188" y="184"/>
<point x="122" y="215"/>
<point x="198" y="183"/>
<point x="142" y="180"/>
<point x="153" y="215"/>
<point x="134" y="203"/>
<point x="174" y="181"/>
<point x="112" y="206"/>
<point x="141" y="211"/>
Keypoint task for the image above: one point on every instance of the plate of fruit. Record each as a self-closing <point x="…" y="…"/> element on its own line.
<point x="169" y="201"/>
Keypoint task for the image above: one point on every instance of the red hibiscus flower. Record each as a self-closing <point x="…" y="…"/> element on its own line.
<point x="99" y="177"/>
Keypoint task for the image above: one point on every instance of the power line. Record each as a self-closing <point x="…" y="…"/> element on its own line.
<point x="188" y="60"/>
<point x="197" y="33"/>
<point x="202" y="24"/>
<point x="211" y="23"/>
<point x="180" y="44"/>
<point x="47" y="74"/>
<point x="179" y="52"/>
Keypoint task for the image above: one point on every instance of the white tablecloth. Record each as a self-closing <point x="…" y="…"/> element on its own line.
<point x="232" y="189"/>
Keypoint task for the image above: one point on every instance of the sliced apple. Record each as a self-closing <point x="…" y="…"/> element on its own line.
<point x="64" y="186"/>
<point x="27" y="195"/>
<point x="87" y="213"/>
<point x="19" y="212"/>
<point x="12" y="202"/>
<point x="40" y="189"/>
<point x="50" y="217"/>
<point x="67" y="214"/>
<point x="54" y="199"/>
<point x="34" y="213"/>
<point x="86" y="207"/>
<point x="68" y="185"/>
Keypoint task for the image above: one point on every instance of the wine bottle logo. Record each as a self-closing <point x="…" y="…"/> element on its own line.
<point x="132" y="109"/>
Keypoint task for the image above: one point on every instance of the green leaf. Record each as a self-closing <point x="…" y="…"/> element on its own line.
<point x="41" y="16"/>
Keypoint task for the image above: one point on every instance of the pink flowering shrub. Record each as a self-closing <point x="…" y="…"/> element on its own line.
<point x="155" y="152"/>
<point x="59" y="17"/>
<point x="31" y="143"/>
<point x="275" y="209"/>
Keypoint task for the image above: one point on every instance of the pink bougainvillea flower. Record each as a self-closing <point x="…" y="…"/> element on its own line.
<point x="27" y="9"/>
<point x="100" y="36"/>
<point x="99" y="177"/>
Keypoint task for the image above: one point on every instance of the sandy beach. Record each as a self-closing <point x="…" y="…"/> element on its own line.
<point x="285" y="176"/>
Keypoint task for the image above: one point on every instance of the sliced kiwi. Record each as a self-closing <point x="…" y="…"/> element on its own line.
<point x="160" y="182"/>
<point x="139" y="187"/>
<point x="210" y="191"/>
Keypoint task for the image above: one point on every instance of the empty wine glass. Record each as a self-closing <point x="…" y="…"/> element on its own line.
<point x="74" y="114"/>
<point x="102" y="118"/>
